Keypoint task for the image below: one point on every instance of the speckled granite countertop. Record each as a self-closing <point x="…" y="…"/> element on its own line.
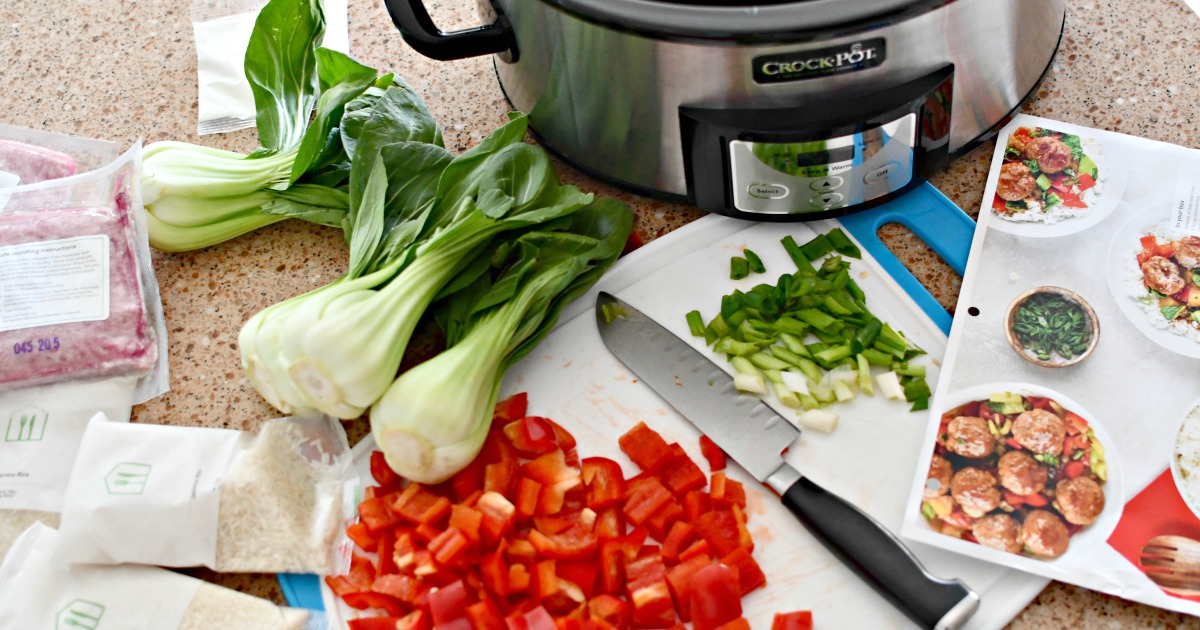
<point x="124" y="70"/>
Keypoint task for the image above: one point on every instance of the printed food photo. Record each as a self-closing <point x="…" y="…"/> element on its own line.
<point x="1019" y="469"/>
<point x="1052" y="327"/>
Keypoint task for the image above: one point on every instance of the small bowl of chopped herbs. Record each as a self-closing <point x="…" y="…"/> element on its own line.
<point x="1052" y="327"/>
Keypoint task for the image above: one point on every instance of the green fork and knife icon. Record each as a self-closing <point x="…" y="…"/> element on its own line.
<point x="80" y="613"/>
<point x="26" y="425"/>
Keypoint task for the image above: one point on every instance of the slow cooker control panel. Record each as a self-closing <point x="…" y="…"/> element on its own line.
<point x="823" y="175"/>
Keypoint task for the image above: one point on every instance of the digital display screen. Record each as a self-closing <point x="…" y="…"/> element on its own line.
<point x="793" y="157"/>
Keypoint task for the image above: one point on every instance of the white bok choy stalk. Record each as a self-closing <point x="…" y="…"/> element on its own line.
<point x="433" y="419"/>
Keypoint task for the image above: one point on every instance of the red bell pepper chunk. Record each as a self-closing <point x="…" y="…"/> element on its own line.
<point x="426" y="532"/>
<point x="605" y="482"/>
<point x="696" y="503"/>
<point x="382" y="473"/>
<point x="643" y="497"/>
<point x="531" y="436"/>
<point x="485" y="614"/>
<point x="609" y="524"/>
<point x="536" y="619"/>
<point x="679" y="578"/>
<point x="750" y="575"/>
<point x="466" y="520"/>
<point x="649" y="594"/>
<point x="415" y="620"/>
<point x="679" y="538"/>
<point x="450" y="547"/>
<point x="527" y="498"/>
<point x="610" y="610"/>
<point x="361" y="574"/>
<point x="518" y="579"/>
<point x="584" y="574"/>
<point x="449" y="603"/>
<point x="726" y="492"/>
<point x="661" y="521"/>
<point x="645" y="447"/>
<point x="1074" y="469"/>
<point x="386" y="553"/>
<point x="714" y="597"/>
<point x="698" y="548"/>
<point x="737" y="624"/>
<point x="720" y="529"/>
<point x="633" y="242"/>
<point x="798" y="620"/>
<point x="403" y="550"/>
<point x="553" y="498"/>
<point x="712" y="453"/>
<point x="550" y="469"/>
<point x="466" y="481"/>
<point x="374" y="623"/>
<point x="362" y="537"/>
<point x="377" y="513"/>
<point x="511" y="408"/>
<point x="545" y="580"/>
<point x="744" y="538"/>
<point x="493" y="572"/>
<point x="572" y="544"/>
<point x="681" y="474"/>
<point x="370" y="599"/>
<point x="420" y="506"/>
<point x="566" y="441"/>
<point x="521" y="550"/>
<point x="403" y="587"/>
<point x="501" y="477"/>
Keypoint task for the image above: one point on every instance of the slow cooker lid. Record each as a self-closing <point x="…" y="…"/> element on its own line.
<point x="745" y="21"/>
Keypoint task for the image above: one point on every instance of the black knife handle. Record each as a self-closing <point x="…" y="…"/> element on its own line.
<point x="880" y="558"/>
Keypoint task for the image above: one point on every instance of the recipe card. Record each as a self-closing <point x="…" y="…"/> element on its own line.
<point x="1064" y="433"/>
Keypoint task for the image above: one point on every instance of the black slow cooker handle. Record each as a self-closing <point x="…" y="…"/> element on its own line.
<point x="418" y="29"/>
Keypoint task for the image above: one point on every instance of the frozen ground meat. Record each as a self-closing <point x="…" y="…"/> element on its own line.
<point x="122" y="343"/>
<point x="34" y="164"/>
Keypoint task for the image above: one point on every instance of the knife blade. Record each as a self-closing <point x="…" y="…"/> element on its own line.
<point x="754" y="436"/>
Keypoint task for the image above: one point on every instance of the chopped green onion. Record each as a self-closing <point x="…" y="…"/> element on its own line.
<point x="754" y="262"/>
<point x="696" y="323"/>
<point x="842" y="244"/>
<point x="738" y="268"/>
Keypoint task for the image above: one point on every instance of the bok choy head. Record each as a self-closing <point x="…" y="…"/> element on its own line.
<point x="433" y="419"/>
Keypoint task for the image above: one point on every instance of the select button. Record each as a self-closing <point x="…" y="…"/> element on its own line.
<point x="768" y="191"/>
<point x="826" y="184"/>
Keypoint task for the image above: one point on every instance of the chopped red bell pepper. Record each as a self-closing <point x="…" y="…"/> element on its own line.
<point x="609" y="524"/>
<point x="485" y="614"/>
<point x="720" y="529"/>
<point x="545" y="579"/>
<point x="696" y="503"/>
<point x="531" y="436"/>
<point x="450" y="547"/>
<point x="712" y="453"/>
<point x="698" y="548"/>
<point x="680" y="577"/>
<point x="750" y="575"/>
<point x="714" y="597"/>
<point x="745" y="540"/>
<point x="362" y="537"/>
<point x="566" y="441"/>
<point x="605" y="482"/>
<point x="552" y="499"/>
<point x="536" y="619"/>
<point x="467" y="481"/>
<point x="644" y="496"/>
<point x="681" y="474"/>
<point x="501" y="477"/>
<point x="726" y="492"/>
<point x="374" y="623"/>
<point x="518" y="579"/>
<point x="572" y="544"/>
<point x="1073" y="469"/>
<point x="679" y="538"/>
<point x="377" y="513"/>
<point x="493" y="572"/>
<point x="737" y="624"/>
<point x="403" y="587"/>
<point x="798" y="620"/>
<point x="449" y="603"/>
<point x="550" y="469"/>
<point x="511" y="408"/>
<point x="382" y="473"/>
<point x="420" y="506"/>
<point x="386" y="553"/>
<point x="527" y="498"/>
<point x="610" y="610"/>
<point x="645" y="447"/>
<point x="371" y="599"/>
<point x="661" y="521"/>
<point x="648" y="592"/>
<point x="467" y="520"/>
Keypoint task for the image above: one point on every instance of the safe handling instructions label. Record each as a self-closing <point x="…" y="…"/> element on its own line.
<point x="54" y="282"/>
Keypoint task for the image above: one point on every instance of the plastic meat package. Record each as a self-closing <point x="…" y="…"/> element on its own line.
<point x="78" y="296"/>
<point x="273" y="501"/>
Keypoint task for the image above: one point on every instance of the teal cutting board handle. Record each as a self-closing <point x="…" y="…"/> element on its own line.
<point x="936" y="221"/>
<point x="924" y="210"/>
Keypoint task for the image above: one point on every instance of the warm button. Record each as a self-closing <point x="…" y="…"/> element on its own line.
<point x="827" y="200"/>
<point x="767" y="191"/>
<point x="882" y="173"/>
<point x="826" y="184"/>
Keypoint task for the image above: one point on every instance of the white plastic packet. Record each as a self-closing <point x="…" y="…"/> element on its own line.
<point x="39" y="438"/>
<point x="275" y="501"/>
<point x="222" y="31"/>
<point x="38" y="592"/>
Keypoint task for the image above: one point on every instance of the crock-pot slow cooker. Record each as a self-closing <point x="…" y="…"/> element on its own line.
<point x="767" y="109"/>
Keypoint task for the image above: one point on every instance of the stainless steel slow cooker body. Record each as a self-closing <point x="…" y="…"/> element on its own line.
<point x="778" y="111"/>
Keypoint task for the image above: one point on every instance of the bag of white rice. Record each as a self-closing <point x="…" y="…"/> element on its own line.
<point x="40" y="431"/>
<point x="37" y="591"/>
<point x="276" y="501"/>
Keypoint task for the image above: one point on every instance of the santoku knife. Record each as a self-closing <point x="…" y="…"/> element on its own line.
<point x="755" y="436"/>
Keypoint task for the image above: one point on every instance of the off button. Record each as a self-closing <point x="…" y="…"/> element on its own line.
<point x="767" y="191"/>
<point x="882" y="173"/>
<point x="826" y="184"/>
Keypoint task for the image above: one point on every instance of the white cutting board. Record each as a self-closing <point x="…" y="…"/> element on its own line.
<point x="572" y="378"/>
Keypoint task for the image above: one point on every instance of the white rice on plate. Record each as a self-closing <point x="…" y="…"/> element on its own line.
<point x="1187" y="458"/>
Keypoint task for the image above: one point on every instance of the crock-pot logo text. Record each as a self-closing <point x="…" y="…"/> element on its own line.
<point x="814" y="64"/>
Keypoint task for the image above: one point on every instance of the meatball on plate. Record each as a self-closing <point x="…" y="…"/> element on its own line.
<point x="1154" y="275"/>
<point x="1041" y="486"/>
<point x="1050" y="183"/>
